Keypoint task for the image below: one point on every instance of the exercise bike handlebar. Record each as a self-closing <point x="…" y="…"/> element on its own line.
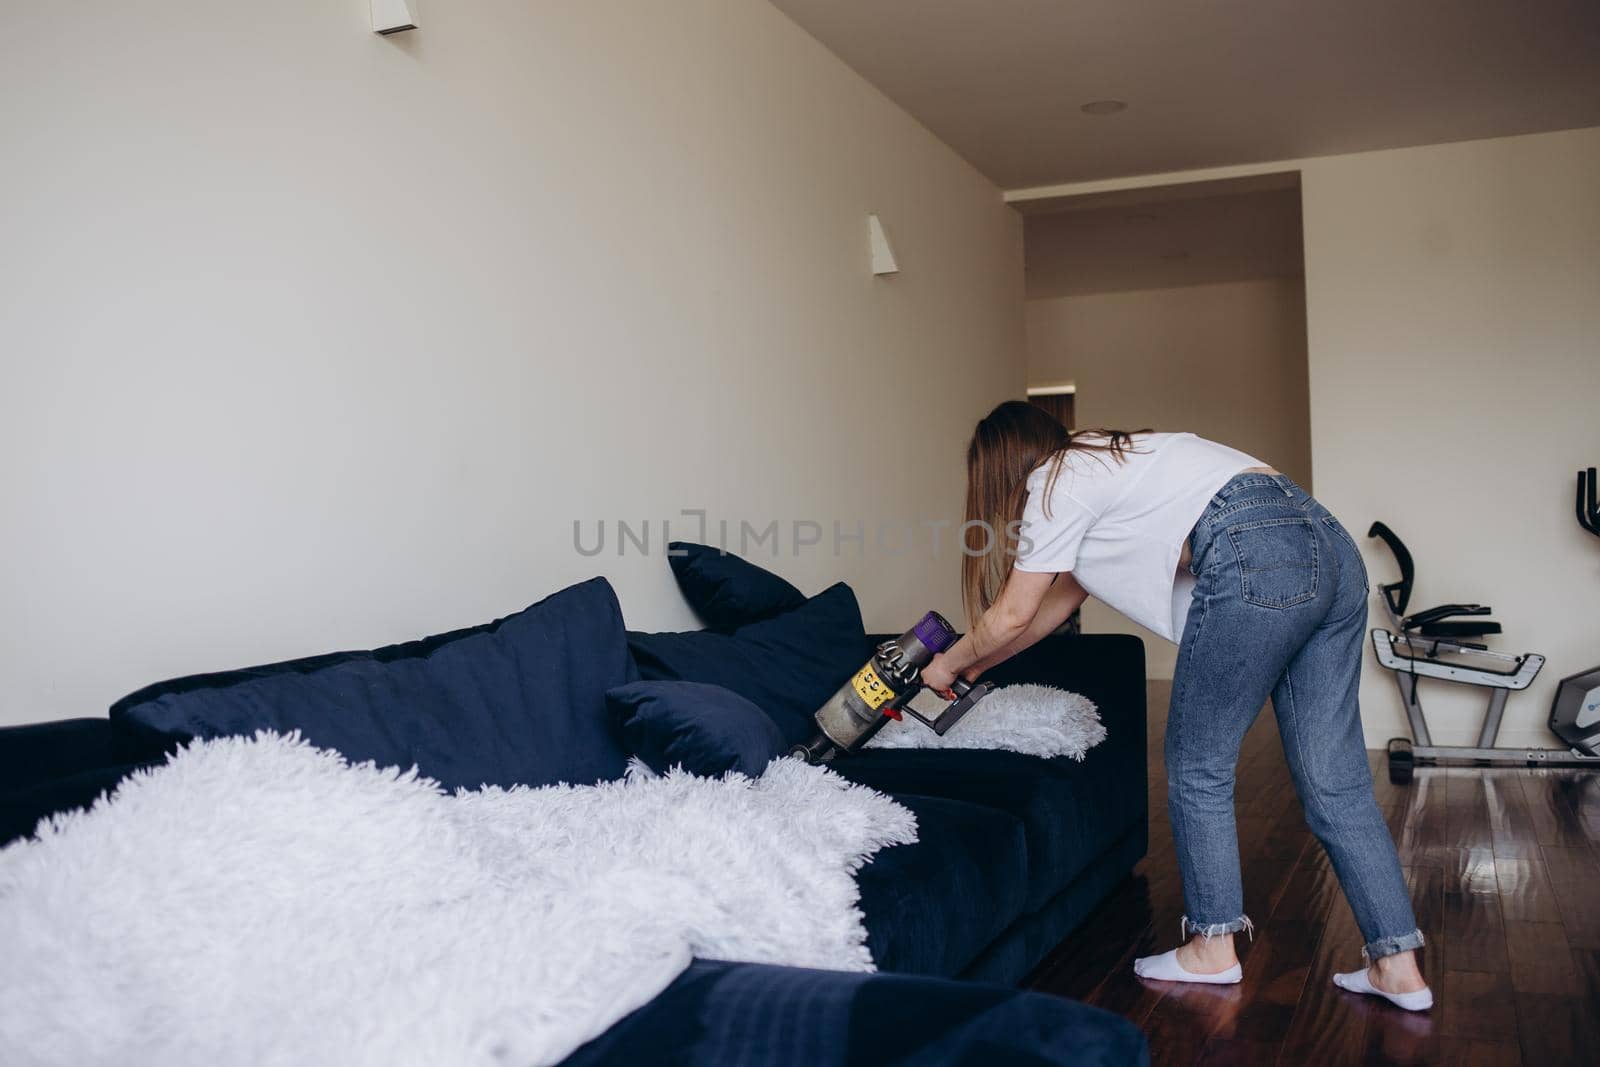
<point x="1398" y="594"/>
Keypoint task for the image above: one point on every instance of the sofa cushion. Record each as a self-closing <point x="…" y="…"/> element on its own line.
<point x="705" y="729"/>
<point x="726" y="591"/>
<point x="757" y="1013"/>
<point x="1070" y="812"/>
<point x="520" y="700"/>
<point x="932" y="906"/>
<point x="786" y="1016"/>
<point x="787" y="665"/>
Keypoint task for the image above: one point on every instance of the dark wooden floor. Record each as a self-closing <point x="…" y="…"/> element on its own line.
<point x="1504" y="867"/>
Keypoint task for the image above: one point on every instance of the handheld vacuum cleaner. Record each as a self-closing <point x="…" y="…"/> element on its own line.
<point x="882" y="689"/>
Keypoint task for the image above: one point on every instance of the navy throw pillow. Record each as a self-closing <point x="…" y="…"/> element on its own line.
<point x="518" y="701"/>
<point x="726" y="591"/>
<point x="705" y="729"/>
<point x="787" y="666"/>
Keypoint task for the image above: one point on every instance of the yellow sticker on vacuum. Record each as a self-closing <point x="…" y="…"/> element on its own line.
<point x="872" y="690"/>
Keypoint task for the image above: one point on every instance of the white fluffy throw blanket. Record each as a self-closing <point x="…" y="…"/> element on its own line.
<point x="259" y="901"/>
<point x="1037" y="720"/>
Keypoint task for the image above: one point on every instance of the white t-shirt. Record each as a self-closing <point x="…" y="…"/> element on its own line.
<point x="1119" y="527"/>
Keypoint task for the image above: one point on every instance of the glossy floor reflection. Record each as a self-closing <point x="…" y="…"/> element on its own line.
<point x="1505" y="870"/>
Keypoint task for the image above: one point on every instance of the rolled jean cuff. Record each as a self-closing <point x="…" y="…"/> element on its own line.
<point x="1388" y="946"/>
<point x="1187" y="926"/>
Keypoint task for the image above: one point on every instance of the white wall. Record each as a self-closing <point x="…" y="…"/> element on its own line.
<point x="1454" y="313"/>
<point x="314" y="339"/>
<point x="1225" y="361"/>
<point x="1453" y="307"/>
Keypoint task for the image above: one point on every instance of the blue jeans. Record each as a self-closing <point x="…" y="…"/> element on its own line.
<point x="1279" y="609"/>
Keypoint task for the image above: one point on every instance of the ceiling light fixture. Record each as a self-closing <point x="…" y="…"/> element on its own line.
<point x="1104" y="107"/>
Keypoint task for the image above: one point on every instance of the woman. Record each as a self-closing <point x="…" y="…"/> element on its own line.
<point x="1192" y="538"/>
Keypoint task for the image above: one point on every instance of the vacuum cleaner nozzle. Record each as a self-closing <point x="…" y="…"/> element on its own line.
<point x="883" y="688"/>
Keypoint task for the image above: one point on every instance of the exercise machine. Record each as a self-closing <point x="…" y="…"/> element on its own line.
<point x="1441" y="643"/>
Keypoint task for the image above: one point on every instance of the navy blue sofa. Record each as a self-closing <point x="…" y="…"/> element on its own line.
<point x="1013" y="851"/>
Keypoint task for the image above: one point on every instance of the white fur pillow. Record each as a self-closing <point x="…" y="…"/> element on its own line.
<point x="1036" y="720"/>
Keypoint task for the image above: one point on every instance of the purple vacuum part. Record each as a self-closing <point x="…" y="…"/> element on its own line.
<point x="934" y="633"/>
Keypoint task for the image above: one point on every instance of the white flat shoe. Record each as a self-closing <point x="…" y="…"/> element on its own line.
<point x="1359" y="982"/>
<point x="1166" y="968"/>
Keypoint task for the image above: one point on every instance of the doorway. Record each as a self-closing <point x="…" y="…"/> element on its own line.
<point x="1055" y="400"/>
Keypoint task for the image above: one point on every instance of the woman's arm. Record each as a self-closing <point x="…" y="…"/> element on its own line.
<point x="1062" y="598"/>
<point x="1030" y="606"/>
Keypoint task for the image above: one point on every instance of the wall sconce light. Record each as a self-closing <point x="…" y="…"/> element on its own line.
<point x="883" y="261"/>
<point x="392" y="16"/>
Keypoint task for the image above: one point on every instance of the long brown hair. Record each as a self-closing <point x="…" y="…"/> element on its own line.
<point x="1010" y="443"/>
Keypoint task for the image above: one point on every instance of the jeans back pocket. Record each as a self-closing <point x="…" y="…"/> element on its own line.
<point x="1277" y="561"/>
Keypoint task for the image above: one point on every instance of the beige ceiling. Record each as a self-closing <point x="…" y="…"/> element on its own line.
<point x="1214" y="82"/>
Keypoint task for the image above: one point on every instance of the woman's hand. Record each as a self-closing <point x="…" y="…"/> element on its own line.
<point x="938" y="676"/>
